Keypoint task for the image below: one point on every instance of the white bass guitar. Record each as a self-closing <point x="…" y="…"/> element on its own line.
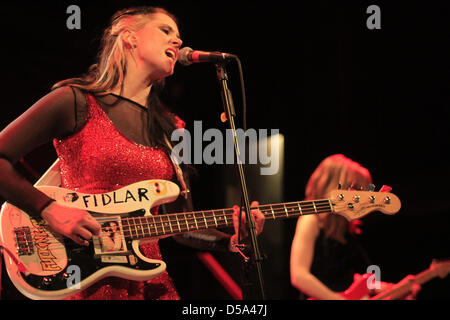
<point x="43" y="264"/>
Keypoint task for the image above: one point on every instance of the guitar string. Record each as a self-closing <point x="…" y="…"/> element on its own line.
<point x="201" y="216"/>
<point x="211" y="221"/>
<point x="191" y="223"/>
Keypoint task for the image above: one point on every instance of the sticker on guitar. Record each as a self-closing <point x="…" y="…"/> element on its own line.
<point x="47" y="259"/>
<point x="111" y="239"/>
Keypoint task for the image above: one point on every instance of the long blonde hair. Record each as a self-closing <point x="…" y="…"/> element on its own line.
<point x="110" y="70"/>
<point x="333" y="171"/>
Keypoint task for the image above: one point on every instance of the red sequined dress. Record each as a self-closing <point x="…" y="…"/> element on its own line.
<point x="99" y="158"/>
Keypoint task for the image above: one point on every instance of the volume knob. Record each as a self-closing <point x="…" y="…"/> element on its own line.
<point x="47" y="281"/>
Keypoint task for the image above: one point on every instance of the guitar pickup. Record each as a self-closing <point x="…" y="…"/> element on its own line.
<point x="24" y="241"/>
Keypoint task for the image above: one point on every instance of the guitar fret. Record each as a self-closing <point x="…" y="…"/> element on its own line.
<point x="285" y="209"/>
<point x="125" y="226"/>
<point x="130" y="229"/>
<point x="149" y="226"/>
<point x="273" y="213"/>
<point x="209" y="218"/>
<point x="143" y="222"/>
<point x="192" y="223"/>
<point x="162" y="225"/>
<point x="145" y="225"/>
<point x="144" y="232"/>
<point x="299" y="208"/>
<point x="278" y="209"/>
<point x="195" y="220"/>
<point x="306" y="207"/>
<point x="221" y="217"/>
<point x="225" y="217"/>
<point x="314" y="205"/>
<point x="187" y="224"/>
<point x="135" y="226"/>
<point x="154" y="226"/>
<point x="206" y="222"/>
<point x="214" y="216"/>
<point x="178" y="223"/>
<point x="145" y="228"/>
<point x="138" y="227"/>
<point x="170" y="225"/>
<point x="330" y="205"/>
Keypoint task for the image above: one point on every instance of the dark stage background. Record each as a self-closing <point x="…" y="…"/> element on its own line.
<point x="314" y="71"/>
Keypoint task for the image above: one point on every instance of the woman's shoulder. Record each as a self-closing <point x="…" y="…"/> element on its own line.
<point x="56" y="101"/>
<point x="70" y="103"/>
<point x="65" y="94"/>
<point x="311" y="219"/>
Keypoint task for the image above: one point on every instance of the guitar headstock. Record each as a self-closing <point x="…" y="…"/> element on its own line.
<point x="354" y="204"/>
<point x="442" y="268"/>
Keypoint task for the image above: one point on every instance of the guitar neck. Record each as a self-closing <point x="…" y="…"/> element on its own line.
<point x="169" y="224"/>
<point x="402" y="288"/>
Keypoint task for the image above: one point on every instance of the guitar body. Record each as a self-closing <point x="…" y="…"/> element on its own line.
<point x="358" y="289"/>
<point x="57" y="267"/>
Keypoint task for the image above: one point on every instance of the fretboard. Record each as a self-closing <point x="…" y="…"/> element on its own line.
<point x="168" y="224"/>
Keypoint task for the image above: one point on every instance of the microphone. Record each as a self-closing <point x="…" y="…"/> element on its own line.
<point x="188" y="56"/>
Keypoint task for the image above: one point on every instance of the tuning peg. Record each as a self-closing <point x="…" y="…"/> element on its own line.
<point x="371" y="187"/>
<point x="355" y="186"/>
<point x="385" y="189"/>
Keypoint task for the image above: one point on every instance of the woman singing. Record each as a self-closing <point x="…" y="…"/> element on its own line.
<point x="109" y="130"/>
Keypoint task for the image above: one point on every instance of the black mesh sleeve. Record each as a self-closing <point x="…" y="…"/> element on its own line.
<point x="51" y="117"/>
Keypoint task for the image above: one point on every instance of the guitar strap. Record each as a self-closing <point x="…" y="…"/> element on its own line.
<point x="52" y="177"/>
<point x="178" y="170"/>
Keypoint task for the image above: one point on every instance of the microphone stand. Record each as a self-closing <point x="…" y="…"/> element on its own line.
<point x="227" y="101"/>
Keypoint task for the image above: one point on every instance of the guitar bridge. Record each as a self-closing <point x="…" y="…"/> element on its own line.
<point x="24" y="241"/>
